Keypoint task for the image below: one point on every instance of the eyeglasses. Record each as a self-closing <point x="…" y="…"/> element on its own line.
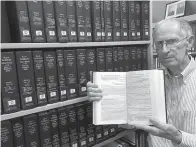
<point x="169" y="43"/>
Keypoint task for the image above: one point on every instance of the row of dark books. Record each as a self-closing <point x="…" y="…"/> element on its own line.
<point x="38" y="77"/>
<point x="78" y="21"/>
<point x="69" y="126"/>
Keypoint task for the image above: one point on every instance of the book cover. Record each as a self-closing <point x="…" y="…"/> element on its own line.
<point x="91" y="61"/>
<point x="49" y="19"/>
<point x="73" y="130"/>
<point x="108" y="59"/>
<point x="18" y="132"/>
<point x="35" y="10"/>
<point x="132" y="23"/>
<point x="19" y="21"/>
<point x="80" y="20"/>
<point x="87" y="20"/>
<point x="124" y="20"/>
<point x="63" y="126"/>
<point x="115" y="59"/>
<point x="26" y="79"/>
<point x="6" y="134"/>
<point x="81" y="71"/>
<point x="121" y="61"/>
<point x="45" y="129"/>
<point x="9" y="83"/>
<point x="138" y="19"/>
<point x="96" y="18"/>
<point x="61" y="75"/>
<point x="116" y="21"/>
<point x="100" y="59"/>
<point x="31" y="130"/>
<point x="51" y="76"/>
<point x="145" y="20"/>
<point x="126" y="58"/>
<point x="129" y="97"/>
<point x="71" y="73"/>
<point x="53" y="115"/>
<point x="108" y="20"/>
<point x="61" y="21"/>
<point x="40" y="80"/>
<point x="71" y="17"/>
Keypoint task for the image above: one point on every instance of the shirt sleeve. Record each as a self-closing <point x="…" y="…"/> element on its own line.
<point x="188" y="140"/>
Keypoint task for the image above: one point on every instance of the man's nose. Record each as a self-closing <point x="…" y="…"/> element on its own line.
<point x="165" y="48"/>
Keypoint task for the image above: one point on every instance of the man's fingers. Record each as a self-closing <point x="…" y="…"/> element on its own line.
<point x="126" y="126"/>
<point x="158" y="124"/>
<point x="92" y="94"/>
<point x="95" y="90"/>
<point x="94" y="98"/>
<point x="150" y="129"/>
<point x="90" y="84"/>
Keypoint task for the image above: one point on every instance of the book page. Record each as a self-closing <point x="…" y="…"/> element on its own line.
<point x="111" y="109"/>
<point x="140" y="98"/>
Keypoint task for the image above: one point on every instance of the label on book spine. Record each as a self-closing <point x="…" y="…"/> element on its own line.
<point x="71" y="73"/>
<point x="91" y="61"/>
<point x="26" y="79"/>
<point x="61" y="20"/>
<point x="51" y="76"/>
<point x="108" y="59"/>
<point x="124" y="20"/>
<point x="100" y="59"/>
<point x="40" y="77"/>
<point x="6" y="134"/>
<point x="31" y="130"/>
<point x="87" y="21"/>
<point x="82" y="71"/>
<point x="36" y="20"/>
<point x="18" y="132"/>
<point x="9" y="83"/>
<point x="116" y="21"/>
<point x="50" y="24"/>
<point x="61" y="75"/>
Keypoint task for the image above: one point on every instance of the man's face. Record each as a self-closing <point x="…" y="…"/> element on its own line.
<point x="171" y="44"/>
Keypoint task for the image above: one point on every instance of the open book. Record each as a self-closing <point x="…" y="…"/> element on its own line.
<point x="129" y="97"/>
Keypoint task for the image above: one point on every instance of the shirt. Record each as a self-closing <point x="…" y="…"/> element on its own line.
<point x="181" y="107"/>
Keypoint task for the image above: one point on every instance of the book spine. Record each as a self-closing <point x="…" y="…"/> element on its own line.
<point x="81" y="125"/>
<point x="6" y="134"/>
<point x="45" y="129"/>
<point x="96" y="11"/>
<point x="108" y="20"/>
<point x="91" y="61"/>
<point x="80" y="20"/>
<point x="51" y="76"/>
<point x="61" y="21"/>
<point x="133" y="57"/>
<point x="71" y="73"/>
<point x="31" y="130"/>
<point x="61" y="74"/>
<point x="144" y="58"/>
<point x="18" y="132"/>
<point x="71" y="16"/>
<point x="124" y="20"/>
<point x="145" y="16"/>
<point x="132" y="23"/>
<point x="139" y="58"/>
<point x="121" y="58"/>
<point x="26" y="79"/>
<point x="81" y="71"/>
<point x="9" y="83"/>
<point x="19" y="21"/>
<point x="87" y="21"/>
<point x="138" y="20"/>
<point x="54" y="128"/>
<point x="98" y="133"/>
<point x="126" y="59"/>
<point x="40" y="77"/>
<point x="113" y="130"/>
<point x="89" y="124"/>
<point x="115" y="59"/>
<point x="36" y="21"/>
<point x="100" y="59"/>
<point x="102" y="21"/>
<point x="116" y="21"/>
<point x="106" y="134"/>
<point x="63" y="126"/>
<point x="72" y="120"/>
<point x="50" y="24"/>
<point x="109" y="59"/>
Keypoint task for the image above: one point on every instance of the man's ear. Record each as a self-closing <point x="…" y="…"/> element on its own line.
<point x="191" y="42"/>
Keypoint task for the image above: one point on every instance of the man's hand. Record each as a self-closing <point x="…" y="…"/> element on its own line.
<point x="93" y="92"/>
<point x="162" y="130"/>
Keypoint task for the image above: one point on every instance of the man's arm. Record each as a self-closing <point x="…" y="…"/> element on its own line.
<point x="188" y="140"/>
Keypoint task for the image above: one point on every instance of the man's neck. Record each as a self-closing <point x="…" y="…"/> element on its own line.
<point x="176" y="71"/>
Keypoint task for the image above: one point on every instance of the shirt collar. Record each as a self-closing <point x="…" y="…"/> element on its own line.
<point x="186" y="72"/>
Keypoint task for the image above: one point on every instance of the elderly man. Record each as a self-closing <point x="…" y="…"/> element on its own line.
<point x="172" y="40"/>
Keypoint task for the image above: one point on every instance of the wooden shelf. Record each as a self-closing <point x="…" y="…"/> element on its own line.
<point x="42" y="108"/>
<point x="190" y="18"/>
<point x="120" y="135"/>
<point x="68" y="45"/>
